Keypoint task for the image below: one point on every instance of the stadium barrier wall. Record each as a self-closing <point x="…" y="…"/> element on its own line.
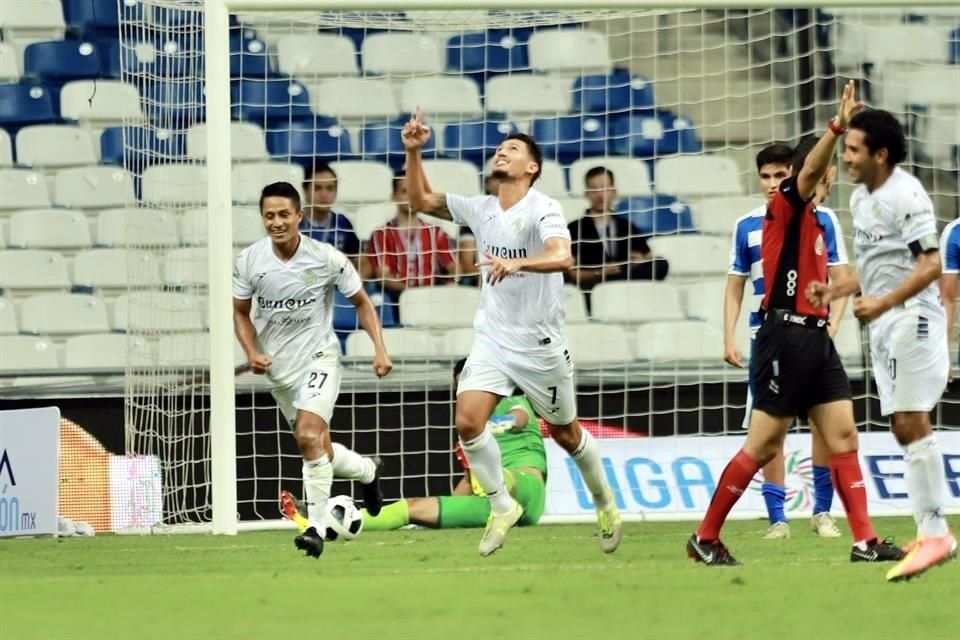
<point x="29" y="442"/>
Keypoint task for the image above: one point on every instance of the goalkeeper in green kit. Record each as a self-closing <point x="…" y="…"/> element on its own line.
<point x="517" y="431"/>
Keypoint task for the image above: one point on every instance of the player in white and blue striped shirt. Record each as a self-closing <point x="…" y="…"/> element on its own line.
<point x="773" y="166"/>
<point x="950" y="255"/>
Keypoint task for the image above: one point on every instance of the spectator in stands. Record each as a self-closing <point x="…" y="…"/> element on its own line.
<point x="406" y="252"/>
<point x="320" y="221"/>
<point x="467" y="244"/>
<point x="607" y="246"/>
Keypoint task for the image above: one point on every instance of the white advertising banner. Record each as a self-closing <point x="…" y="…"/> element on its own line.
<point x="29" y="441"/>
<point x="674" y="477"/>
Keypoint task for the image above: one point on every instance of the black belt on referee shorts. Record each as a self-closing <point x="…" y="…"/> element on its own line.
<point x="792" y="318"/>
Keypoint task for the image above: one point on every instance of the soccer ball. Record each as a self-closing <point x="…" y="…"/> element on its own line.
<point x="344" y="520"/>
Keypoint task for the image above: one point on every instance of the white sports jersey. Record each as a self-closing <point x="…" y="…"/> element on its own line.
<point x="885" y="222"/>
<point x="526" y="311"/>
<point x="293" y="314"/>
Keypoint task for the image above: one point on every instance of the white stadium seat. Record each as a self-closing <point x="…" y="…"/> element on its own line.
<point x="6" y="149"/>
<point x="23" y="189"/>
<point x="457" y="342"/>
<point x="184" y="350"/>
<point x="570" y="51"/>
<point x="718" y="215"/>
<point x="116" y="269"/>
<point x="310" y="55"/>
<point x="552" y="180"/>
<point x="593" y="345"/>
<point x="10" y="70"/>
<point x="185" y="267"/>
<point x="27" y="353"/>
<point x="94" y="187"/>
<point x="939" y="134"/>
<point x="49" y="229"/>
<point x="400" y="343"/>
<point x="175" y="184"/>
<point x="933" y="86"/>
<point x="573" y="208"/>
<point x="443" y="97"/>
<point x="64" y="313"/>
<point x="29" y="269"/>
<point x="439" y="307"/>
<point x="32" y="21"/>
<point x="576" y="304"/>
<point x="247" y="226"/>
<point x="157" y="311"/>
<point x="105" y="351"/>
<point x="633" y="302"/>
<point x="858" y="44"/>
<point x="525" y="94"/>
<point x="56" y="145"/>
<point x="688" y="341"/>
<point x="354" y="98"/>
<point x="632" y="177"/>
<point x="702" y="175"/>
<point x="247" y="142"/>
<point x="250" y="179"/>
<point x="110" y="103"/>
<point x="452" y="176"/>
<point x="8" y="317"/>
<point x="362" y="181"/>
<point x="401" y="53"/>
<point x="136" y="227"/>
<point x="693" y="255"/>
<point x="703" y="299"/>
<point x="366" y="219"/>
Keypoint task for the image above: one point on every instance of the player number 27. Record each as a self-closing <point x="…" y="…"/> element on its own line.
<point x="312" y="382"/>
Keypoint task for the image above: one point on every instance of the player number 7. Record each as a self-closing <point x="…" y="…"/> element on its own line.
<point x="553" y="394"/>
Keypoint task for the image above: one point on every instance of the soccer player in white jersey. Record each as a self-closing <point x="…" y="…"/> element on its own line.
<point x="290" y="339"/>
<point x="898" y="264"/>
<point x="519" y="327"/>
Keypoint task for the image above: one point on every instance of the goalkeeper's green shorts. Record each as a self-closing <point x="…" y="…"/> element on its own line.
<point x="473" y="511"/>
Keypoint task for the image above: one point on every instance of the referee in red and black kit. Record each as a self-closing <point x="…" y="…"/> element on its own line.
<point x="796" y="368"/>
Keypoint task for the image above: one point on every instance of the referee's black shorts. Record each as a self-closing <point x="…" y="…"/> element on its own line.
<point x="795" y="365"/>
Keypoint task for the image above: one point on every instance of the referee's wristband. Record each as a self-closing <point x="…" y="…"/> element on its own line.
<point x="836" y="129"/>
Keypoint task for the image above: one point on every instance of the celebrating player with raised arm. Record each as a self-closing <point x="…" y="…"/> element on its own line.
<point x="291" y="340"/>
<point x="898" y="264"/>
<point x="519" y="327"/>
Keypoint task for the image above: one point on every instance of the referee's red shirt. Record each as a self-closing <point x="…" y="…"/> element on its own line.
<point x="794" y="251"/>
<point x="416" y="254"/>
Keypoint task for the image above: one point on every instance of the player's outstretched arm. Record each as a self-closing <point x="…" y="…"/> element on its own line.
<point x="732" y="302"/>
<point x="818" y="160"/>
<point x="948" y="295"/>
<point x="556" y="256"/>
<point x="367" y="315"/>
<point x="422" y="199"/>
<point x="246" y="334"/>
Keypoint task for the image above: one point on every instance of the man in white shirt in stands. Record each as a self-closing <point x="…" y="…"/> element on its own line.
<point x="520" y="340"/>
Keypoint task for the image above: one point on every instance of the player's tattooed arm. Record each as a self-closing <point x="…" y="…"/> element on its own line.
<point x="422" y="199"/>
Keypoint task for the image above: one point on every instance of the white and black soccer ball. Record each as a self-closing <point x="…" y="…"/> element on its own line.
<point x="344" y="520"/>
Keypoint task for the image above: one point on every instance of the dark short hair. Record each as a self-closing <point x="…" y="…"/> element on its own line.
<point x="596" y="171"/>
<point x="801" y="151"/>
<point x="778" y="153"/>
<point x="398" y="175"/>
<point x="881" y="130"/>
<point x="280" y="190"/>
<point x="532" y="147"/>
<point x="316" y="168"/>
<point x="458" y="367"/>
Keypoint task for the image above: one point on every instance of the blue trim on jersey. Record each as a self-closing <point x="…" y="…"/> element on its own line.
<point x="951" y="247"/>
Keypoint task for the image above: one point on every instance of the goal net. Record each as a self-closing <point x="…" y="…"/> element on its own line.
<point x="675" y="104"/>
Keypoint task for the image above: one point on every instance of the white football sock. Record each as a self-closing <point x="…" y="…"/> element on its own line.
<point x="317" y="480"/>
<point x="925" y="479"/>
<point x="351" y="465"/>
<point x="483" y="456"/>
<point x="587" y="457"/>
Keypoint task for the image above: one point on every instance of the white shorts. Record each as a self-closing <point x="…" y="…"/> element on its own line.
<point x="910" y="360"/>
<point x="546" y="379"/>
<point x="316" y="392"/>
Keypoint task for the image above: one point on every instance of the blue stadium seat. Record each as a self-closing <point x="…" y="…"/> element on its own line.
<point x="568" y="138"/>
<point x="22" y="105"/>
<point x="144" y="146"/>
<point x="99" y="18"/>
<point x="381" y="142"/>
<point x="659" y="214"/>
<point x="174" y="104"/>
<point x="345" y="314"/>
<point x="60" y="61"/>
<point x="954" y="44"/>
<point x="616" y="93"/>
<point x="261" y="101"/>
<point x="477" y="140"/>
<point x="248" y="57"/>
<point x="649" y="137"/>
<point x="486" y="53"/>
<point x="680" y="134"/>
<point x="303" y="141"/>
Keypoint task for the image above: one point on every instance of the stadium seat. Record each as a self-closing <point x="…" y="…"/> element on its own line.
<point x="249" y="180"/>
<point x="247" y="142"/>
<point x="9" y="63"/>
<point x="23" y="189"/>
<point x="142" y="58"/>
<point x="939" y="135"/>
<point x="171" y="104"/>
<point x="345" y="314"/>
<point x="248" y="57"/>
<point x="361" y="181"/>
<point x="400" y="343"/>
<point x="137" y="228"/>
<point x="569" y="51"/>
<point x="265" y="100"/>
<point x="439" y="307"/>
<point x="718" y="215"/>
<point x="49" y="229"/>
<point x="189" y="350"/>
<point x="553" y="180"/>
<point x="186" y="267"/>
<point x="367" y="218"/>
<point x="33" y="270"/>
<point x="110" y="103"/>
<point x="354" y="99"/>
<point x="452" y="176"/>
<point x="60" y="61"/>
<point x="612" y="94"/>
<point x="307" y="56"/>
<point x="6" y="149"/>
<point x="176" y="184"/>
<point x="688" y="342"/>
<point x="99" y="17"/>
<point x="32" y="21"/>
<point x="680" y="135"/>
<point x="136" y="148"/>
<point x="93" y="187"/>
<point x="247" y="226"/>
<point x="63" y="313"/>
<point x="55" y="145"/>
<point x="659" y="214"/>
<point x="576" y="304"/>
<point x="635" y="302"/>
<point x="954" y="44"/>
<point x="457" y="342"/>
<point x="27" y="353"/>
<point x="443" y="97"/>
<point x="302" y="142"/>
<point x="482" y="54"/>
<point x="157" y="311"/>
<point x="703" y="175"/>
<point x="8" y="317"/>
<point x="703" y="299"/>
<point x="693" y="255"/>
<point x="106" y="351"/>
<point x="594" y="345"/>
<point x="525" y="95"/>
<point x="381" y="141"/>
<point x="22" y="105"/>
<point x="568" y="138"/>
<point x="401" y="53"/>
<point x="631" y="177"/>
<point x="475" y="140"/>
<point x="115" y="269"/>
<point x="573" y="208"/>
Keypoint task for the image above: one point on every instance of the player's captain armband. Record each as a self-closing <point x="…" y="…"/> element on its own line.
<point x="501" y="424"/>
<point x="929" y="242"/>
<point x="552" y="224"/>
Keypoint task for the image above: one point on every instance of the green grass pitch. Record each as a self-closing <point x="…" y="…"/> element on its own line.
<point x="547" y="582"/>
